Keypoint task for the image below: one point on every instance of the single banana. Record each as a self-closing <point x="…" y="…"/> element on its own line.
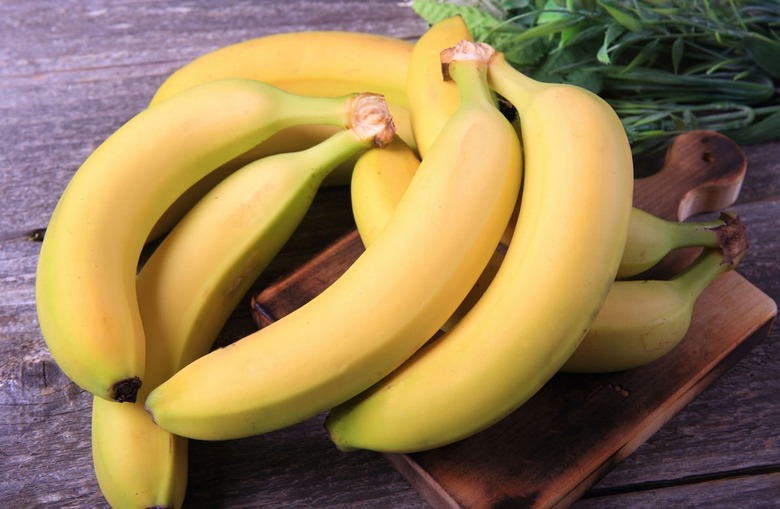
<point x="191" y="284"/>
<point x="560" y="263"/>
<point x="384" y="307"/>
<point x="432" y="99"/>
<point x="308" y="59"/>
<point x="85" y="287"/>
<point x="643" y="320"/>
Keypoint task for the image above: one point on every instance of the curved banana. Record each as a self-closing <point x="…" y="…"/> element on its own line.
<point x="432" y="99"/>
<point x="641" y="321"/>
<point x="85" y="286"/>
<point x="560" y="264"/>
<point x="374" y="63"/>
<point x="188" y="288"/>
<point x="383" y="308"/>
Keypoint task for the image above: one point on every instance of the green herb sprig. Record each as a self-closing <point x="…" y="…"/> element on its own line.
<point x="665" y="67"/>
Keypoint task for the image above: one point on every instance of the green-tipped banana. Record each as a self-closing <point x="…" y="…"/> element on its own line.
<point x="85" y="287"/>
<point x="641" y="321"/>
<point x="384" y="307"/>
<point x="651" y="238"/>
<point x="561" y="261"/>
<point x="188" y="288"/>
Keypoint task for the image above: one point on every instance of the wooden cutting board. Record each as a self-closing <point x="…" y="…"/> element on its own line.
<point x="578" y="427"/>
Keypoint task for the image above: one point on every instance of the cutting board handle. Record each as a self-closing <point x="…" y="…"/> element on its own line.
<point x="703" y="172"/>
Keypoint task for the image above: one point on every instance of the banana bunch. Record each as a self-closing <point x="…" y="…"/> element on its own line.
<point x="513" y="244"/>
<point x="249" y="215"/>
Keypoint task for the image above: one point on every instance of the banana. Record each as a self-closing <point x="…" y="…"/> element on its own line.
<point x="191" y="284"/>
<point x="379" y="180"/>
<point x="383" y="308"/>
<point x="560" y="263"/>
<point x="309" y="59"/>
<point x="85" y="287"/>
<point x="651" y="238"/>
<point x="643" y="320"/>
<point x="313" y="63"/>
<point x="432" y="99"/>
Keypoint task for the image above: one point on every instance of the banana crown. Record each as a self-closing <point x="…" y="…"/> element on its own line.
<point x="370" y="119"/>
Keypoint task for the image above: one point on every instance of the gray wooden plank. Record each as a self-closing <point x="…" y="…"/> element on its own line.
<point x="71" y="73"/>
<point x="759" y="491"/>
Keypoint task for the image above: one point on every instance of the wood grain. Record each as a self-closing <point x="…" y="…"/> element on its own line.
<point x="71" y="73"/>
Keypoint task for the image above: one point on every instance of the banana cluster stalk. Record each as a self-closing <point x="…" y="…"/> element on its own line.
<point x="510" y="244"/>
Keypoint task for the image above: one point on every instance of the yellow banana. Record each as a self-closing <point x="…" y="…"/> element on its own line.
<point x="379" y="180"/>
<point x="383" y="308"/>
<point x="643" y="320"/>
<point x="432" y="99"/>
<point x="313" y="63"/>
<point x="85" y="288"/>
<point x="375" y="63"/>
<point x="559" y="266"/>
<point x="188" y="288"/>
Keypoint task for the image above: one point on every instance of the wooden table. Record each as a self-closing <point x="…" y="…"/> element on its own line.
<point x="72" y="72"/>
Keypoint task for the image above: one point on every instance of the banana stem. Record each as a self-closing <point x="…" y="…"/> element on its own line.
<point x="709" y="265"/>
<point x="467" y="64"/>
<point x="370" y="119"/>
<point x="712" y="262"/>
<point x="727" y="232"/>
<point x="503" y="77"/>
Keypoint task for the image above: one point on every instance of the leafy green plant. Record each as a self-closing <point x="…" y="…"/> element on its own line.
<point x="665" y="67"/>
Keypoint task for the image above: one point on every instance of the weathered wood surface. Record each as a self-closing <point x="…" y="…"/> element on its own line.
<point x="71" y="73"/>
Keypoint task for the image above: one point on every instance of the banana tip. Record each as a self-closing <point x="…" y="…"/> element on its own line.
<point x="126" y="390"/>
<point x="732" y="237"/>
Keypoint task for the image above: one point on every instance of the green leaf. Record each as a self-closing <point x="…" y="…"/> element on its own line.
<point x="566" y="66"/>
<point x="625" y="19"/>
<point x="757" y="132"/>
<point x="677" y="53"/>
<point x="527" y="53"/>
<point x="765" y="52"/>
<point x="613" y="32"/>
<point x="547" y="29"/>
<point x="434" y="11"/>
